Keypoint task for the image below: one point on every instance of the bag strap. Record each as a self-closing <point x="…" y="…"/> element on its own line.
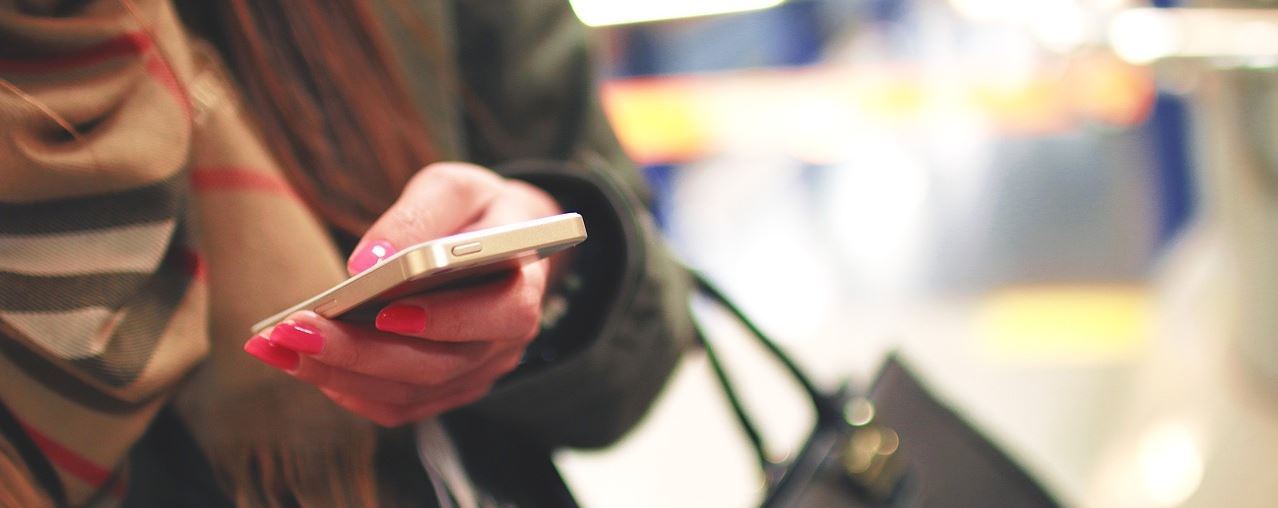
<point x="816" y="395"/>
<point x="826" y="406"/>
<point x="865" y="448"/>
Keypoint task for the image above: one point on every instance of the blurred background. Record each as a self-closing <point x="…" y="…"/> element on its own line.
<point x="1056" y="212"/>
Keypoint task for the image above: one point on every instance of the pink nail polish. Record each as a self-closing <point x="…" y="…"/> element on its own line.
<point x="401" y="319"/>
<point x="370" y="255"/>
<point x="297" y="337"/>
<point x="277" y="357"/>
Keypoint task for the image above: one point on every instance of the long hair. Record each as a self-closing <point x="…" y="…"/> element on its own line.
<point x="320" y="81"/>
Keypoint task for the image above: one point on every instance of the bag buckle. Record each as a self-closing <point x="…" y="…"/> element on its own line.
<point x="871" y="457"/>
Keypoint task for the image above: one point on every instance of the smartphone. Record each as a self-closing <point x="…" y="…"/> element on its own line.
<point x="453" y="260"/>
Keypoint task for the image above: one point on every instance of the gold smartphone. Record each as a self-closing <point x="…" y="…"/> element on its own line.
<point x="455" y="259"/>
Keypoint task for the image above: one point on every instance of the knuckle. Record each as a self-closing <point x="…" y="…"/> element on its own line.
<point x="446" y="169"/>
<point x="436" y="172"/>
<point x="403" y="394"/>
<point x="461" y="177"/>
<point x="474" y="395"/>
<point x="509" y="364"/>
<point x="477" y="188"/>
<point x="389" y="415"/>
<point x="526" y="313"/>
<point x="450" y="180"/>
<point x="346" y="359"/>
<point x="530" y="334"/>
<point x="412" y="218"/>
<point x="421" y="397"/>
<point x="386" y="419"/>
<point x="528" y="303"/>
<point x="307" y="369"/>
<point x="429" y="377"/>
<point x="315" y="373"/>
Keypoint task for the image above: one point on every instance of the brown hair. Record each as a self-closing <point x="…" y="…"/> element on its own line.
<point x="322" y="84"/>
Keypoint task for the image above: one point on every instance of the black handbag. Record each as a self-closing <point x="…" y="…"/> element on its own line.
<point x="893" y="446"/>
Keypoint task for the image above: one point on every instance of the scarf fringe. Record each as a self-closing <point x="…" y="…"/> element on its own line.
<point x="279" y="443"/>
<point x="275" y="478"/>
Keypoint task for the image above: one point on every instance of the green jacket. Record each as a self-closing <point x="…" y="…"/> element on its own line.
<point x="527" y="62"/>
<point x="592" y="376"/>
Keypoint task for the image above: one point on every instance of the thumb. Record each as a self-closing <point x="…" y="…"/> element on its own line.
<point x="438" y="201"/>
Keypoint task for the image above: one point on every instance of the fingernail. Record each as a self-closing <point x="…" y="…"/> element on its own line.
<point x="401" y="319"/>
<point x="370" y="255"/>
<point x="297" y="337"/>
<point x="277" y="357"/>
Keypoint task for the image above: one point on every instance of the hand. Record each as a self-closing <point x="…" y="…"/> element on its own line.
<point x="430" y="353"/>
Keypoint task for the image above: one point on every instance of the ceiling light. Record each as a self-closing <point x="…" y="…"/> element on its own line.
<point x="617" y="12"/>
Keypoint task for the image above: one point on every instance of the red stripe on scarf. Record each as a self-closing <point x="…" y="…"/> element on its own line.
<point x="132" y="43"/>
<point x="159" y="69"/>
<point x="73" y="463"/>
<point x="129" y="44"/>
<point x="192" y="263"/>
<point x="239" y="179"/>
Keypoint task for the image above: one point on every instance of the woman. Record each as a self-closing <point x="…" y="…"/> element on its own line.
<point x="154" y="205"/>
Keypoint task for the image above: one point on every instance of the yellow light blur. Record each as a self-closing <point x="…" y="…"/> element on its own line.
<point x="811" y="114"/>
<point x="657" y="121"/>
<point x="617" y="12"/>
<point x="1066" y="323"/>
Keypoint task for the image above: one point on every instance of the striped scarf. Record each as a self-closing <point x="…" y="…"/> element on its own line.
<point x="143" y="229"/>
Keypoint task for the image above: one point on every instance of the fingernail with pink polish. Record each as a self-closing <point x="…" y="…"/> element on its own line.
<point x="297" y="337"/>
<point x="370" y="255"/>
<point x="401" y="319"/>
<point x="277" y="357"/>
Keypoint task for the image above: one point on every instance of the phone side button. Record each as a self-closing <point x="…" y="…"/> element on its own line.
<point x="467" y="248"/>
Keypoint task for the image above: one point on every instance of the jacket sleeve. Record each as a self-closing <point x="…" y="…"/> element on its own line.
<point x="616" y="325"/>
